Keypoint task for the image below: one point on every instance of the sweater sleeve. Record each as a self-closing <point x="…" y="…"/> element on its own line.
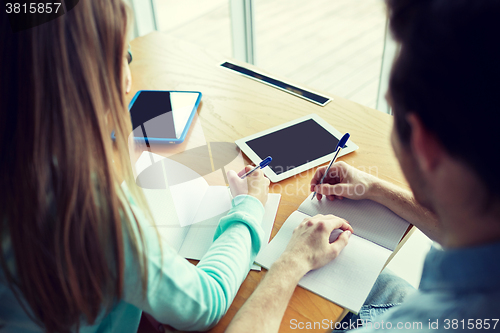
<point x="189" y="297"/>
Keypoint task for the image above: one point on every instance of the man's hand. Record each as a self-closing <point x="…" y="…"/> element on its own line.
<point x="255" y="184"/>
<point x="343" y="180"/>
<point x="310" y="247"/>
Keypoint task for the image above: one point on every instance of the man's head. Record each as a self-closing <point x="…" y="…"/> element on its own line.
<point x="445" y="92"/>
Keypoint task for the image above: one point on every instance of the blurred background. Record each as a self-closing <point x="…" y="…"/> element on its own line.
<point x="334" y="46"/>
<point x="338" y="47"/>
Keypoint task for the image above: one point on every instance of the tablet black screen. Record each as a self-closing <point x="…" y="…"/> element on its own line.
<point x="163" y="114"/>
<point x="295" y="145"/>
<point x="152" y="115"/>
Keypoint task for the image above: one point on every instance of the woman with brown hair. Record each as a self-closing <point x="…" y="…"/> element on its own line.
<point x="78" y="252"/>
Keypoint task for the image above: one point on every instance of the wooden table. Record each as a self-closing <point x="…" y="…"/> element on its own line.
<point x="234" y="107"/>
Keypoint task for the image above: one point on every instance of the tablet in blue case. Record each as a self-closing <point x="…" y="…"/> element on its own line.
<point x="160" y="116"/>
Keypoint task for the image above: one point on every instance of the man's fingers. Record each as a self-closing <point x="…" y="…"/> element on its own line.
<point x="341" y="242"/>
<point x="335" y="174"/>
<point x="318" y="175"/>
<point x="326" y="223"/>
<point x="331" y="222"/>
<point x="339" y="190"/>
<point x="313" y="219"/>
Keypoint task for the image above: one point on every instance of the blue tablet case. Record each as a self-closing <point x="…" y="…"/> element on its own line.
<point x="186" y="128"/>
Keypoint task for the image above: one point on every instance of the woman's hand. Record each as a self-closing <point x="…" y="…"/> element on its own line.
<point x="310" y="247"/>
<point x="343" y="180"/>
<point x="255" y="184"/>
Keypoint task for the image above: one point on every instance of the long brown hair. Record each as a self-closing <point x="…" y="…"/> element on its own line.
<point x="62" y="208"/>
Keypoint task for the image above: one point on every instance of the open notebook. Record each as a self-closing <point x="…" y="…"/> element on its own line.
<point x="348" y="279"/>
<point x="187" y="213"/>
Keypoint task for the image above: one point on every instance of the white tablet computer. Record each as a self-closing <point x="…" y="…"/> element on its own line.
<point x="295" y="147"/>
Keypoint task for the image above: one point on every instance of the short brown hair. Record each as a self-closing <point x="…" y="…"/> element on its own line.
<point x="448" y="73"/>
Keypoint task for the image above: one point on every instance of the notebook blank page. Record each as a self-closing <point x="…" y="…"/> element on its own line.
<point x="369" y="219"/>
<point x="163" y="210"/>
<point x="187" y="198"/>
<point x="347" y="280"/>
<point x="217" y="200"/>
<point x="201" y="235"/>
<point x="187" y="188"/>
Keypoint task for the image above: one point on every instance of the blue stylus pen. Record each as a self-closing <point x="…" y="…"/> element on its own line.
<point x="340" y="145"/>
<point x="261" y="165"/>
